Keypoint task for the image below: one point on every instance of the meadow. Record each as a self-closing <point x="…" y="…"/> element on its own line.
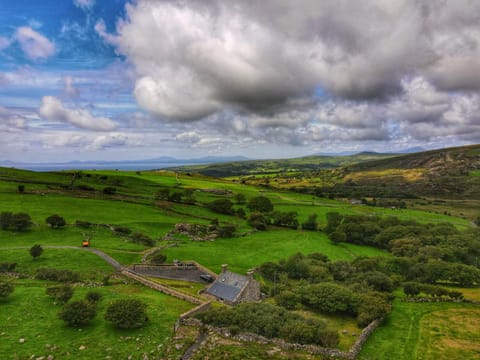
<point x="29" y="314"/>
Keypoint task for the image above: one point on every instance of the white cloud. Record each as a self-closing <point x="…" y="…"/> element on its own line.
<point x="84" y="4"/>
<point x="34" y="45"/>
<point x="52" y="109"/>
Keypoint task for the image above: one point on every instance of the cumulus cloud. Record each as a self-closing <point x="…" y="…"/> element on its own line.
<point x="34" y="45"/>
<point x="195" y="58"/>
<point x="84" y="4"/>
<point x="52" y="109"/>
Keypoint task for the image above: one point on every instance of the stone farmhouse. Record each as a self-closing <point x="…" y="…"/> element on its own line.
<point x="232" y="288"/>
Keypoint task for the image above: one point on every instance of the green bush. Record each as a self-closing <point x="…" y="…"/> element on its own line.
<point x="36" y="250"/>
<point x="221" y="206"/>
<point x="60" y="294"/>
<point x="7" y="267"/>
<point x="127" y="314"/>
<point x="93" y="296"/>
<point x="78" y="313"/>
<point x="55" y="221"/>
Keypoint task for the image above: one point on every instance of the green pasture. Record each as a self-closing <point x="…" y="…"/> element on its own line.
<point x="245" y="252"/>
<point x="29" y="314"/>
<point x="428" y="331"/>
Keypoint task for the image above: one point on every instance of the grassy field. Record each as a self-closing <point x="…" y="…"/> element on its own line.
<point x="426" y="331"/>
<point x="243" y="253"/>
<point x="31" y="315"/>
<point x="408" y="333"/>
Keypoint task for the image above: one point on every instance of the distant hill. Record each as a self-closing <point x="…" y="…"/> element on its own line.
<point x="280" y="166"/>
<point x="450" y="173"/>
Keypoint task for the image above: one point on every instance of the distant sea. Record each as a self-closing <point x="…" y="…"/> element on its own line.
<point x="135" y="166"/>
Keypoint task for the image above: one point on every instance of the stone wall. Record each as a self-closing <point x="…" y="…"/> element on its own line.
<point x="251" y="292"/>
<point x="351" y="354"/>
<point x="166" y="290"/>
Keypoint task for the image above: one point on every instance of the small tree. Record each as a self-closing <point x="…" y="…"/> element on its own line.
<point x="239" y="198"/>
<point x="6" y="289"/>
<point x="21" y="222"/>
<point x="35" y="251"/>
<point x="222" y="206"/>
<point x="258" y="221"/>
<point x="127" y="314"/>
<point x="21" y="188"/>
<point x="55" y="221"/>
<point x="261" y="204"/>
<point x="78" y="313"/>
<point x="93" y="297"/>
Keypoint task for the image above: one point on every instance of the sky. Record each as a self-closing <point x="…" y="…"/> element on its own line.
<point x="139" y="79"/>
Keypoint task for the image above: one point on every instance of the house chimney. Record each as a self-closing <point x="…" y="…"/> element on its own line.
<point x="224" y="267"/>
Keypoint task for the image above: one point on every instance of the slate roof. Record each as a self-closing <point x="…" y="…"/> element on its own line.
<point x="228" y="286"/>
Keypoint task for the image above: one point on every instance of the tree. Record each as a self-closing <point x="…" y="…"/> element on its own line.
<point x="163" y="194"/>
<point x="78" y="313"/>
<point x="285" y="219"/>
<point x="93" y="297"/>
<point x="261" y="204"/>
<point x="127" y="314"/>
<point x="334" y="219"/>
<point x="55" y="221"/>
<point x="221" y="206"/>
<point x="35" y="251"/>
<point x="21" y="222"/>
<point x="6" y="289"/>
<point x="21" y="188"/>
<point x="311" y="223"/>
<point x="109" y="190"/>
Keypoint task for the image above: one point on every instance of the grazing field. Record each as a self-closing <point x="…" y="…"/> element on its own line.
<point x="243" y="253"/>
<point x="426" y="331"/>
<point x="30" y="314"/>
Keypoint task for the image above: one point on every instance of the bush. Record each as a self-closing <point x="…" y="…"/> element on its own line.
<point x="311" y="223"/>
<point x="127" y="314"/>
<point x="227" y="231"/>
<point x="158" y="258"/>
<point x="93" y="296"/>
<point x="7" y="267"/>
<point x="60" y="294"/>
<point x="5" y="220"/>
<point x="57" y="275"/>
<point x="143" y="239"/>
<point x="258" y="221"/>
<point x="6" y="289"/>
<point x="21" y="222"/>
<point x="78" y="313"/>
<point x="221" y="206"/>
<point x="55" y="221"/>
<point x="35" y="251"/>
<point x="261" y="204"/>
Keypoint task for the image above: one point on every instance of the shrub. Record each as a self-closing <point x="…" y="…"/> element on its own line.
<point x="261" y="204"/>
<point x="227" y="231"/>
<point x="21" y="222"/>
<point x="6" y="289"/>
<point x="258" y="221"/>
<point x="78" y="313"/>
<point x="5" y="220"/>
<point x="221" y="206"/>
<point x="55" y="221"/>
<point x="7" y="267"/>
<point x="158" y="258"/>
<point x="57" y="275"/>
<point x="143" y="239"/>
<point x="127" y="314"/>
<point x="21" y="188"/>
<point x="93" y="296"/>
<point x="311" y="223"/>
<point x="60" y="294"/>
<point x="35" y="251"/>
